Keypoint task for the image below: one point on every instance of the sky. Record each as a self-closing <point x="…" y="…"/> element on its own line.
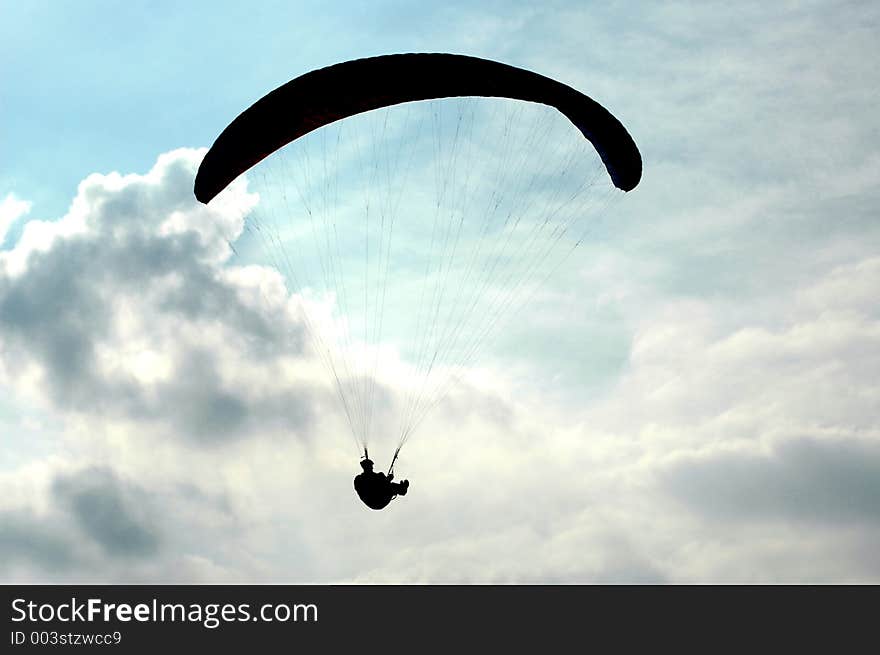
<point x="694" y="398"/>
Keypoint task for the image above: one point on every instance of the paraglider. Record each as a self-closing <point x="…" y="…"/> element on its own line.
<point x="375" y="488"/>
<point x="512" y="184"/>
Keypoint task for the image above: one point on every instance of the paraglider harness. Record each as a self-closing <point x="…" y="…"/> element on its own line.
<point x="390" y="468"/>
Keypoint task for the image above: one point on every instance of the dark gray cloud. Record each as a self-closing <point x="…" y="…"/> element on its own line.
<point x="87" y="508"/>
<point x="55" y="314"/>
<point x="829" y="481"/>
<point x="200" y="404"/>
<point x="95" y="522"/>
<point x="112" y="513"/>
<point x="26" y="539"/>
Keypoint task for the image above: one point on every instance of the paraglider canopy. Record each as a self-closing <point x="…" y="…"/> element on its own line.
<point x="330" y="94"/>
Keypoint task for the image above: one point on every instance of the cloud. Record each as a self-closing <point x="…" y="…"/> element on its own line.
<point x="25" y="539"/>
<point x="831" y="481"/>
<point x="113" y="514"/>
<point x="71" y="521"/>
<point x="11" y="209"/>
<point x="121" y="309"/>
<point x="66" y="521"/>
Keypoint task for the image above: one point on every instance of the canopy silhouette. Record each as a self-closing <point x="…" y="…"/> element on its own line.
<point x="336" y="92"/>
